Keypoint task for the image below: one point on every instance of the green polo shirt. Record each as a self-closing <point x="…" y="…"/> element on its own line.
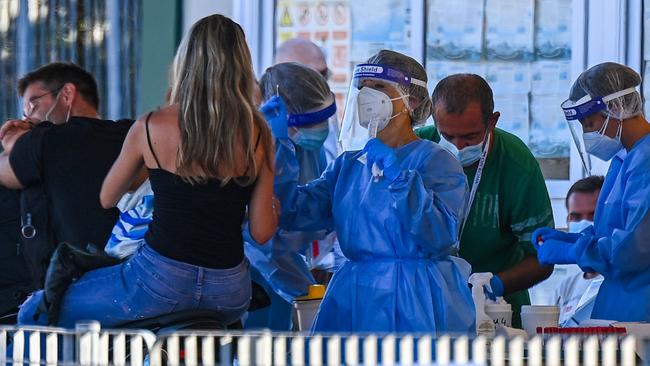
<point x="511" y="202"/>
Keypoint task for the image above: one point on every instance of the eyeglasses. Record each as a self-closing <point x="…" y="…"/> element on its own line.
<point x="30" y="107"/>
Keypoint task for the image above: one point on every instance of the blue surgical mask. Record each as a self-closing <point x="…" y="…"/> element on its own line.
<point x="579" y="226"/>
<point x="310" y="138"/>
<point x="602" y="146"/>
<point x="467" y="155"/>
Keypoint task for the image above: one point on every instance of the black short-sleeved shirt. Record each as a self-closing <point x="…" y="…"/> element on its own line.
<point x="70" y="161"/>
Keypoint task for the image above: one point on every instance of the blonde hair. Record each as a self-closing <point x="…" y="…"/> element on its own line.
<point x="212" y="81"/>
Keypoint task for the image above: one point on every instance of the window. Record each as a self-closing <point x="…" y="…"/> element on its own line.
<point x="101" y="36"/>
<point x="546" y="49"/>
<point x="522" y="47"/>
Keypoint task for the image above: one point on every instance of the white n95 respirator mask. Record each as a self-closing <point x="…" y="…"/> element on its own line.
<point x="376" y="107"/>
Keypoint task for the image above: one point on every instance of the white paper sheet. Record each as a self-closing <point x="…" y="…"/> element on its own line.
<point x="549" y="131"/>
<point x="514" y="114"/>
<point x="438" y="70"/>
<point x="508" y="78"/>
<point x="509" y="29"/>
<point x="553" y="29"/>
<point x="455" y="30"/>
<point x="380" y="24"/>
<point x="551" y="77"/>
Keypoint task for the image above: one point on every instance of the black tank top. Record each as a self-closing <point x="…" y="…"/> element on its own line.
<point x="199" y="224"/>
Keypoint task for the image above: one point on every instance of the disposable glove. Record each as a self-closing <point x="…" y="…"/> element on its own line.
<point x="546" y="233"/>
<point x="384" y="156"/>
<point x="554" y="251"/>
<point x="497" y="288"/>
<point x="275" y="112"/>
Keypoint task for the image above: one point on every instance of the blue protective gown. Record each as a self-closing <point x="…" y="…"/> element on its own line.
<point x="398" y="238"/>
<point x="278" y="265"/>
<point x="618" y="245"/>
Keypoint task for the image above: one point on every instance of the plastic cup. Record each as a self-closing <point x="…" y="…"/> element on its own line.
<point x="500" y="313"/>
<point x="533" y="316"/>
<point x="305" y="313"/>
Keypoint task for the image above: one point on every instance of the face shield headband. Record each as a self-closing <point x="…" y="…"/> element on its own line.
<point x="587" y="105"/>
<point x="310" y="118"/>
<point x="383" y="72"/>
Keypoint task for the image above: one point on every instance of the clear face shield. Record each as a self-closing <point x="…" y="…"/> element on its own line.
<point x="582" y="108"/>
<point x="368" y="110"/>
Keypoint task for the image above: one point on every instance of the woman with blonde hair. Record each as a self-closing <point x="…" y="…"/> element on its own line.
<point x="209" y="158"/>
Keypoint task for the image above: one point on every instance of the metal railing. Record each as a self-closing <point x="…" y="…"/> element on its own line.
<point x="87" y="344"/>
<point x="90" y="345"/>
<point x="266" y="348"/>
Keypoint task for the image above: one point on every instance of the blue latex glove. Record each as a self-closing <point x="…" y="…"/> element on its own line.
<point x="275" y="112"/>
<point x="546" y="233"/>
<point x="554" y="251"/>
<point x="497" y="288"/>
<point x="384" y="156"/>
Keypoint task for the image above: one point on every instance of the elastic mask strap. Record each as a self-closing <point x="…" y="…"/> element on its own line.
<point x="49" y="111"/>
<point x="393" y="116"/>
<point x="604" y="128"/>
<point x="619" y="130"/>
<point x="405" y="99"/>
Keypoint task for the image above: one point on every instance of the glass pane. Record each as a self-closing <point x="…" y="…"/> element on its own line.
<point x="348" y="32"/>
<point x="34" y="33"/>
<point x="523" y="49"/>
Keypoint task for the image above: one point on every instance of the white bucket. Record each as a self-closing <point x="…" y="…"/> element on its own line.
<point x="500" y="314"/>
<point x="304" y="313"/>
<point x="533" y="316"/>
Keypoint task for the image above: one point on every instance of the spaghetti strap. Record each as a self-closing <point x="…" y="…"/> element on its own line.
<point x="146" y="125"/>
<point x="259" y="134"/>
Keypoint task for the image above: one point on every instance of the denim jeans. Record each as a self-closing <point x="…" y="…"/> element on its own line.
<point x="145" y="286"/>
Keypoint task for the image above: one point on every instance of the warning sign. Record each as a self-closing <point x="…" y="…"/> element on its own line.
<point x="324" y="22"/>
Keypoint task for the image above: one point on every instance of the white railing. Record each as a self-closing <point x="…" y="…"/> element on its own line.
<point x="85" y="345"/>
<point x="90" y="345"/>
<point x="266" y="349"/>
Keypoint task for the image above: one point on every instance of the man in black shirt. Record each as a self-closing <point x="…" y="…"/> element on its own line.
<point x="66" y="157"/>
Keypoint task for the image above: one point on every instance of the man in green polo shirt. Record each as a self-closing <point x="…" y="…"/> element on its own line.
<point x="510" y="200"/>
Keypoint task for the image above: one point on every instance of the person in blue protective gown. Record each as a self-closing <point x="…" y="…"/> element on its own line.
<point x="605" y="105"/>
<point x="279" y="266"/>
<point x="396" y="203"/>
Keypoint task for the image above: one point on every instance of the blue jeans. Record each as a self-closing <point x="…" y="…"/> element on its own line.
<point x="145" y="286"/>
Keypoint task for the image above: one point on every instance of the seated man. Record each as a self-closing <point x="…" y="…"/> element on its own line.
<point x="67" y="156"/>
<point x="577" y="290"/>
<point x="508" y="198"/>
